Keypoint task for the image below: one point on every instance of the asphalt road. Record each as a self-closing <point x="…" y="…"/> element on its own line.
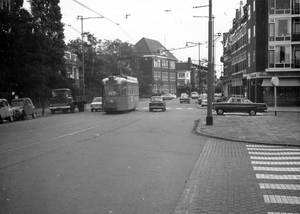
<point x="92" y="162"/>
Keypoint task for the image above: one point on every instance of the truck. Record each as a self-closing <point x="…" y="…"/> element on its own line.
<point x="64" y="99"/>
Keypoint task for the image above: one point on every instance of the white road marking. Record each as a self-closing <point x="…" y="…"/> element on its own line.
<point x="277" y="177"/>
<point x="275" y="162"/>
<point x="277" y="169"/>
<point x="281" y="199"/>
<point x="279" y="186"/>
<point x="274" y="158"/>
<point x="274" y="153"/>
<point x="272" y="149"/>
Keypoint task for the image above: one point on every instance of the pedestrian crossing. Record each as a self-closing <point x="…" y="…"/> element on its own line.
<point x="277" y="170"/>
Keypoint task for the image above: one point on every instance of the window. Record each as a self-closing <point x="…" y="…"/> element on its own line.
<point x="172" y="77"/>
<point x="157" y="75"/>
<point x="164" y="63"/>
<point x="253" y="5"/>
<point x="249" y="35"/>
<point x="279" y="7"/>
<point x="280" y="57"/>
<point x="165" y="76"/>
<point x="254" y="56"/>
<point x="296" y="56"/>
<point x="296" y="29"/>
<point x="156" y="63"/>
<point x="249" y="60"/>
<point x="172" y="65"/>
<point x="279" y="30"/>
<point x="249" y="12"/>
<point x="254" y="30"/>
<point x="181" y="75"/>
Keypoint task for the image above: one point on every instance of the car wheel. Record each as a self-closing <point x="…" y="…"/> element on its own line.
<point x="10" y="119"/>
<point x="92" y="110"/>
<point x="72" y="108"/>
<point x="220" y="111"/>
<point x="52" y="111"/>
<point x="33" y="115"/>
<point x="252" y="112"/>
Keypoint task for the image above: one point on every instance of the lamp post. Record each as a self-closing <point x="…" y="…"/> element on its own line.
<point x="82" y="46"/>
<point x="200" y="78"/>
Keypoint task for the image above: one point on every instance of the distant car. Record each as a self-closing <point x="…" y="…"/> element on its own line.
<point x="201" y="97"/>
<point x="184" y="99"/>
<point x="23" y="107"/>
<point x="204" y="101"/>
<point x="174" y="96"/>
<point x="194" y="95"/>
<point x="157" y="102"/>
<point x="6" y="112"/>
<point x="184" y="94"/>
<point x="239" y="104"/>
<point x="167" y="96"/>
<point x="96" y="104"/>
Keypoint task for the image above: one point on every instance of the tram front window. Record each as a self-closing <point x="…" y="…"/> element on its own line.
<point x="112" y="90"/>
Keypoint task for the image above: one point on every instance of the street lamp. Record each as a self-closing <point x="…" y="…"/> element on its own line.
<point x="82" y="46"/>
<point x="200" y="79"/>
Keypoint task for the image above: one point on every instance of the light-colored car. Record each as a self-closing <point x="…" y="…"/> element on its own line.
<point x="167" y="96"/>
<point x="23" y="107"/>
<point x="174" y="96"/>
<point x="184" y="98"/>
<point x="204" y="101"/>
<point x="96" y="104"/>
<point x="194" y="95"/>
<point x="6" y="112"/>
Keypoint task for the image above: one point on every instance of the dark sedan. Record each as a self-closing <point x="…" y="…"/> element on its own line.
<point x="157" y="102"/>
<point x="239" y="104"/>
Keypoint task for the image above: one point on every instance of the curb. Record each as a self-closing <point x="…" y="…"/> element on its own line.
<point x="195" y="131"/>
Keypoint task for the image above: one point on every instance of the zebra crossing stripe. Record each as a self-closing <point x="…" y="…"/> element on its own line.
<point x="279" y="186"/>
<point x="281" y="199"/>
<point x="275" y="163"/>
<point x="272" y="149"/>
<point x="277" y="177"/>
<point x="277" y="169"/>
<point x="280" y="213"/>
<point x="274" y="153"/>
<point x="274" y="158"/>
<point x="264" y="146"/>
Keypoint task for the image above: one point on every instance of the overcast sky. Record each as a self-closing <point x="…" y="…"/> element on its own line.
<point x="170" y="22"/>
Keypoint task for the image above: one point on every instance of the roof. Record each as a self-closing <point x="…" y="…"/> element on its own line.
<point x="152" y="47"/>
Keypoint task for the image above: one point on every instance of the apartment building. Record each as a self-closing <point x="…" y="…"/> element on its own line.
<point x="263" y="43"/>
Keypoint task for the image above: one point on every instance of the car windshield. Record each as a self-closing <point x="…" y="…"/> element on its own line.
<point x="156" y="99"/>
<point x="17" y="103"/>
<point x="62" y="93"/>
<point x="97" y="99"/>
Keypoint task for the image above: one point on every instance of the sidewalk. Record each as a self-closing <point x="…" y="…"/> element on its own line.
<point x="267" y="128"/>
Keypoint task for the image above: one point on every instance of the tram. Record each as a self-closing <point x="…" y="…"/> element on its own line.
<point x="120" y="93"/>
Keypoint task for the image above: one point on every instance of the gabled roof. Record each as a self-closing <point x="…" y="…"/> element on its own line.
<point x="148" y="47"/>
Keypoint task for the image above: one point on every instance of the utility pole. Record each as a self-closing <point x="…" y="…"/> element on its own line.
<point x="209" y="117"/>
<point x="82" y="46"/>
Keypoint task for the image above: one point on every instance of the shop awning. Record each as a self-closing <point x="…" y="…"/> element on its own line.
<point x="282" y="82"/>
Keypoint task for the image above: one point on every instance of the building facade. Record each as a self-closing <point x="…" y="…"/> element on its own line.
<point x="159" y="64"/>
<point x="263" y="43"/>
<point x="73" y="66"/>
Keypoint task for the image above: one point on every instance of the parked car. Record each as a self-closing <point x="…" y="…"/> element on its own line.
<point x="184" y="98"/>
<point x="194" y="95"/>
<point x="239" y="104"/>
<point x="6" y="112"/>
<point x="157" y="102"/>
<point x="167" y="96"/>
<point x="23" y="107"/>
<point x="200" y="98"/>
<point x="96" y="104"/>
